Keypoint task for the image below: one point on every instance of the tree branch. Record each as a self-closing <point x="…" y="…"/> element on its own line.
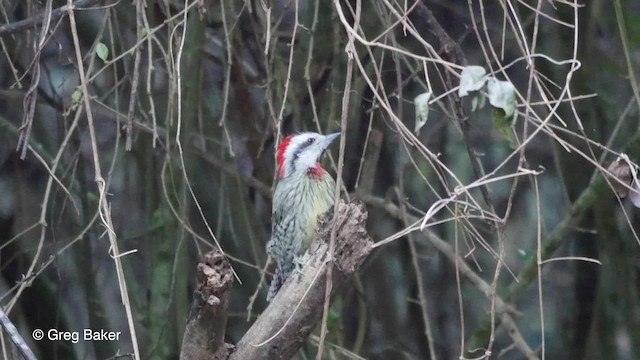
<point x="36" y="20"/>
<point x="503" y="309"/>
<point x="282" y="328"/>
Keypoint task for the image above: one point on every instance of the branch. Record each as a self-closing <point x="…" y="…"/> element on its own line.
<point x="15" y="337"/>
<point x="447" y="44"/>
<point x="232" y="170"/>
<point x="283" y="327"/>
<point x="556" y="238"/>
<point x="36" y="20"/>
<point x="204" y="334"/>
<point x="503" y="309"/>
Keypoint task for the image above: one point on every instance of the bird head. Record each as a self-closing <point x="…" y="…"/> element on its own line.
<point x="300" y="154"/>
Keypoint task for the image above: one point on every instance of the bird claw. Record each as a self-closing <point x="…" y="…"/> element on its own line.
<point x="300" y="261"/>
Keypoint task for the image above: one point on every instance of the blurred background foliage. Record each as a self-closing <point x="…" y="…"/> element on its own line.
<point x="188" y="104"/>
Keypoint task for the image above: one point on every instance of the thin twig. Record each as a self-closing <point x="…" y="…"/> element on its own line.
<point x="105" y="208"/>
<point x="502" y="307"/>
<point x="36" y="20"/>
<point x="343" y="122"/>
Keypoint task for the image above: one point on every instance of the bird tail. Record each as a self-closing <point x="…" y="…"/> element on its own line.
<point x="276" y="283"/>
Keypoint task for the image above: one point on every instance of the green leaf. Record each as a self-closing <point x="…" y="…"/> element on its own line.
<point x="502" y="95"/>
<point x="76" y="96"/>
<point x="92" y="197"/>
<point x="159" y="218"/>
<point x="102" y="51"/>
<point x="472" y="78"/>
<point x="422" y="110"/>
<point x="525" y="255"/>
<point x="334" y="317"/>
<point x="503" y="125"/>
<point x="144" y="33"/>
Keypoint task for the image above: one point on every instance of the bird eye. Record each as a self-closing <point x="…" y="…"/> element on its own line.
<point x="311" y="141"/>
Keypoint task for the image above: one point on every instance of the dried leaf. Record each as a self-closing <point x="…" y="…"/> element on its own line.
<point x="472" y="78"/>
<point x="502" y="95"/>
<point x="422" y="110"/>
<point x="621" y="171"/>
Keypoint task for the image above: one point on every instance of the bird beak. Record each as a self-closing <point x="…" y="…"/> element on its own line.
<point x="328" y="139"/>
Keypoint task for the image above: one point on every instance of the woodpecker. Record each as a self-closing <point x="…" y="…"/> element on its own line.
<point x="304" y="191"/>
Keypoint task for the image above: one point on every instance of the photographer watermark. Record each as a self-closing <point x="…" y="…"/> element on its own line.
<point x="75" y="336"/>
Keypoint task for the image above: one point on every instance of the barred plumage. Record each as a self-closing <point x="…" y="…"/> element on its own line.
<point x="304" y="191"/>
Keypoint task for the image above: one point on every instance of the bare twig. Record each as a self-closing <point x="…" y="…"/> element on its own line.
<point x="30" y="99"/>
<point x="422" y="296"/>
<point x="35" y="21"/>
<point x="502" y="308"/>
<point x="15" y="336"/>
<point x="332" y="240"/>
<point x="135" y="78"/>
<point x="103" y="205"/>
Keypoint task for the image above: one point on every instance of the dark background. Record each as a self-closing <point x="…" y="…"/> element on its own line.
<point x="186" y="112"/>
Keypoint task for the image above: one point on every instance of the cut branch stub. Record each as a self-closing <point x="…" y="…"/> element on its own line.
<point x="204" y="334"/>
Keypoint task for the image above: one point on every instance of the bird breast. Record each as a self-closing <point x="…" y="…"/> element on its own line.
<point x="305" y="198"/>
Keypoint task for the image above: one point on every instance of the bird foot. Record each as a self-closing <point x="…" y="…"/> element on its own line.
<point x="300" y="261"/>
